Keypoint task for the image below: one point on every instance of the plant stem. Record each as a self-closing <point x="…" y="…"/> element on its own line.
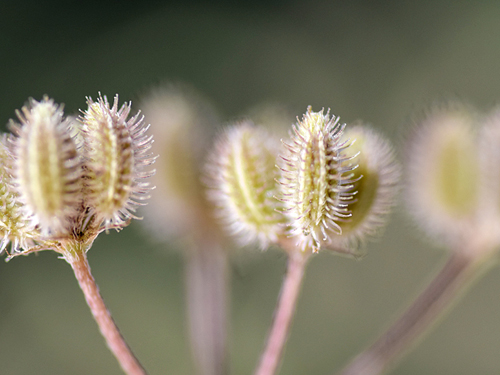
<point x="206" y="289"/>
<point x="457" y="274"/>
<point x="108" y="328"/>
<point x="271" y="357"/>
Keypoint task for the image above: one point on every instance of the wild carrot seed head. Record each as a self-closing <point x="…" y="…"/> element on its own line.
<point x="183" y="122"/>
<point x="241" y="176"/>
<point x="316" y="179"/>
<point x="443" y="173"/>
<point x="116" y="151"/>
<point x="63" y="182"/>
<point x="47" y="166"/>
<point x="15" y="226"/>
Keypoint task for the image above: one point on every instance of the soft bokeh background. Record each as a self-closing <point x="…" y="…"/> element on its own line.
<point x="381" y="62"/>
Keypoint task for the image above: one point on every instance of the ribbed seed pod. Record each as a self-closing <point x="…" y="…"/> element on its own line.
<point x="241" y="177"/>
<point x="47" y="169"/>
<point x="116" y="151"/>
<point x="317" y="179"/>
<point x="376" y="180"/>
<point x="15" y="226"/>
<point x="443" y="173"/>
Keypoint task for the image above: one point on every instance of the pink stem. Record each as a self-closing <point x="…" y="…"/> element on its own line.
<point x="283" y="315"/>
<point x="107" y="326"/>
<point x="207" y="295"/>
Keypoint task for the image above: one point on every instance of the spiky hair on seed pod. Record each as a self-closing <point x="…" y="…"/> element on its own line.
<point x="317" y="181"/>
<point x="442" y="170"/>
<point x="116" y="152"/>
<point x="15" y="227"/>
<point x="240" y="175"/>
<point x="47" y="168"/>
<point x="375" y="181"/>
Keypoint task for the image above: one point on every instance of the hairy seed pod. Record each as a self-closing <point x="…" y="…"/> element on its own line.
<point x="182" y="121"/>
<point x="317" y="179"/>
<point x="47" y="169"/>
<point x="116" y="152"/>
<point x="443" y="173"/>
<point x="376" y="180"/>
<point x="15" y="226"/>
<point x="241" y="177"/>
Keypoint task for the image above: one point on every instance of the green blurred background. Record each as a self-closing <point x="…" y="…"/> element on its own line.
<point x="381" y="62"/>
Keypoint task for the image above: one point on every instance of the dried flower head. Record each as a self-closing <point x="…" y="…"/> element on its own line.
<point x="241" y="177"/>
<point x="47" y="166"/>
<point x="116" y="153"/>
<point x="443" y="173"/>
<point x="375" y="181"/>
<point x="317" y="179"/>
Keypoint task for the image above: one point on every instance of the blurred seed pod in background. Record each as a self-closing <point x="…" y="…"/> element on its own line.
<point x="443" y="173"/>
<point x="241" y="176"/>
<point x="274" y="117"/>
<point x="376" y="183"/>
<point x="183" y="123"/>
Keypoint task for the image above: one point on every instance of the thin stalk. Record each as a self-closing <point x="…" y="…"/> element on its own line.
<point x="458" y="273"/>
<point x="207" y="293"/>
<point x="287" y="302"/>
<point x="108" y="328"/>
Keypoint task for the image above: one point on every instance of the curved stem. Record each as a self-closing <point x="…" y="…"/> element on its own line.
<point x="271" y="357"/>
<point x="108" y="328"/>
<point x="456" y="275"/>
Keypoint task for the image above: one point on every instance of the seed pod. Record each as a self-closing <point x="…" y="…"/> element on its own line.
<point x="116" y="151"/>
<point x="317" y="179"/>
<point x="47" y="168"/>
<point x="183" y="123"/>
<point x="376" y="180"/>
<point x="241" y="177"/>
<point x="15" y="226"/>
<point x="443" y="173"/>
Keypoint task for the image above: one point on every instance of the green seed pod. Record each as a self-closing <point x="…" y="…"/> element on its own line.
<point x="241" y="177"/>
<point x="47" y="168"/>
<point x="116" y="151"/>
<point x="317" y="180"/>
<point x="376" y="180"/>
<point x="443" y="174"/>
<point x="15" y="227"/>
